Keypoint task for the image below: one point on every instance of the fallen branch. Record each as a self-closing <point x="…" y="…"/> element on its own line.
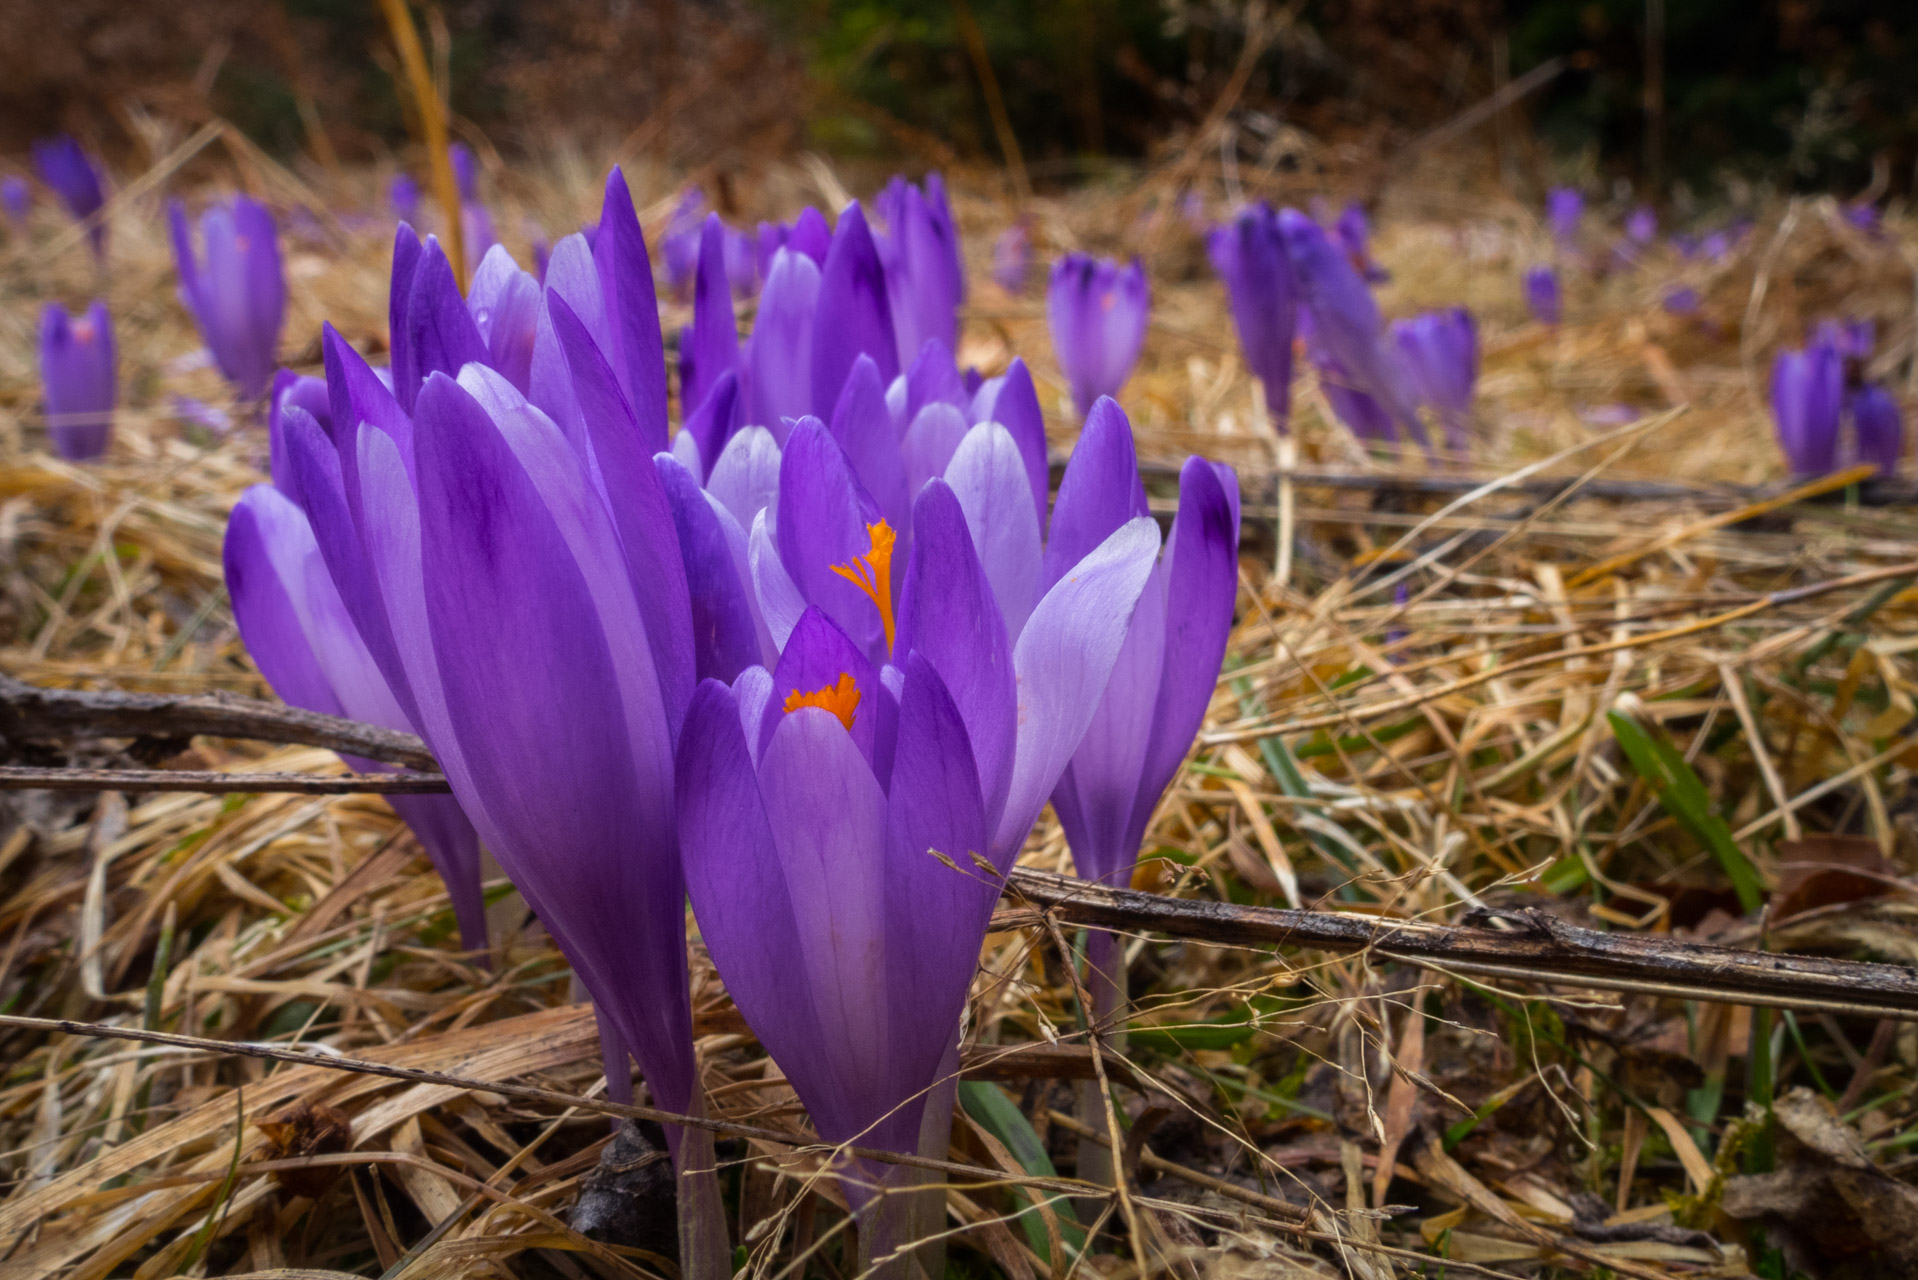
<point x="214" y="782"/>
<point x="29" y="713"/>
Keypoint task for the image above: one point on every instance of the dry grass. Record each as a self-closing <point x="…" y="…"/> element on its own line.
<point x="1433" y="752"/>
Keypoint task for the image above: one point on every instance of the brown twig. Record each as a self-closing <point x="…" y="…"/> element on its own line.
<point x="214" y="782"/>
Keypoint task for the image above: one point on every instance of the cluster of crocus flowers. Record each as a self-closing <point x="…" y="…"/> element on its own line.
<point x="1820" y="390"/>
<point x="73" y="177"/>
<point x="1439" y="351"/>
<point x="235" y="290"/>
<point x="1097" y="312"/>
<point x="79" y="375"/>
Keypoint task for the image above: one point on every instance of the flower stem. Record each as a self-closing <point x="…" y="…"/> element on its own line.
<point x="1106" y="986"/>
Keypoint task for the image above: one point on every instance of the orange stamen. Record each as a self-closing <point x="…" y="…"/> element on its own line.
<point x="872" y="573"/>
<point x="842" y="699"/>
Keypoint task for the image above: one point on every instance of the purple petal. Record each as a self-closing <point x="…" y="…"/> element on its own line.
<point x="712" y="424"/>
<point x="1063" y="661"/>
<point x="504" y="302"/>
<point x="440" y="330"/>
<point x="823" y="514"/>
<point x="862" y="425"/>
<point x="930" y="442"/>
<point x="854" y="317"/>
<point x="989" y="478"/>
<point x="1878" y="426"/>
<point x="746" y="476"/>
<point x="1013" y="402"/>
<point x="725" y="638"/>
<point x="407" y="251"/>
<point x="816" y="656"/>
<point x="934" y="376"/>
<point x="1249" y="255"/>
<point x="714" y="346"/>
<point x="290" y="388"/>
<point x="1099" y="492"/>
<point x="635" y="348"/>
<point x="779" y="599"/>
<point x="948" y="617"/>
<point x="810" y="235"/>
<point x="779" y="355"/>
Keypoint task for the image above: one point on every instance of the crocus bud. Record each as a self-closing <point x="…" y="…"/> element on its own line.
<point x="1355" y="237"/>
<point x="1012" y="258"/>
<point x="1249" y="255"/>
<point x="465" y="171"/>
<point x="66" y="168"/>
<point x="76" y="364"/>
<point x="1440" y="354"/>
<point x="1564" y="208"/>
<point x="1807" y="390"/>
<point x="1097" y="312"/>
<point x="1877" y="426"/>
<point x="237" y="295"/>
<point x="16" y="197"/>
<point x="925" y="277"/>
<point x="679" y="247"/>
<point x="1542" y="296"/>
<point x="1346" y="320"/>
<point x="404" y="195"/>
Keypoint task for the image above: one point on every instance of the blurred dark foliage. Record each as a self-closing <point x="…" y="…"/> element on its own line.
<point x="1808" y="93"/>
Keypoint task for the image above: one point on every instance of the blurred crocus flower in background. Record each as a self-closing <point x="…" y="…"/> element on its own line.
<point x="807" y="234"/>
<point x="1682" y="301"/>
<point x="1012" y="257"/>
<point x="208" y="417"/>
<point x="1346" y="322"/>
<point x="1249" y="255"/>
<point x="1865" y="216"/>
<point x="74" y="178"/>
<point x="80" y="378"/>
<point x="16" y="198"/>
<point x="237" y="294"/>
<point x="298" y="631"/>
<point x="1878" y="429"/>
<point x="1440" y="354"/>
<point x="1641" y="225"/>
<point x="1097" y="312"/>
<point x="476" y="222"/>
<point x="1851" y="339"/>
<point x="679" y="245"/>
<point x="1807" y="396"/>
<point x="925" y="275"/>
<point x="403" y="194"/>
<point x="1543" y="297"/>
<point x="1564" y="209"/>
<point x="1355" y="237"/>
<point x="465" y="171"/>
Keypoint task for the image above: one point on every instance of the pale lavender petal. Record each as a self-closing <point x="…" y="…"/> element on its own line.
<point x="725" y="638"/>
<point x="930" y="442"/>
<point x="1013" y="402"/>
<point x="779" y="355"/>
<point x="505" y="302"/>
<point x="747" y="474"/>
<point x="863" y="427"/>
<point x="989" y="478"/>
<point x="823" y="514"/>
<point x="780" y="600"/>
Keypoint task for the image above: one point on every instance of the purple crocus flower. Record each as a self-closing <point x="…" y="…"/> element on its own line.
<point x="1807" y="391"/>
<point x="925" y="275"/>
<point x="465" y="171"/>
<point x="1543" y="297"/>
<point x="1359" y="411"/>
<point x="403" y="194"/>
<point x="1249" y="255"/>
<point x="846" y="828"/>
<point x="544" y="512"/>
<point x="679" y="246"/>
<point x="1682" y="301"/>
<point x="1355" y="237"/>
<point x="1851" y="339"/>
<point x="80" y="376"/>
<point x="710" y="347"/>
<point x="1097" y="313"/>
<point x="1641" y="225"/>
<point x="297" y="628"/>
<point x="807" y="234"/>
<point x="1439" y="351"/>
<point x="237" y="295"/>
<point x="71" y="173"/>
<point x="16" y="197"/>
<point x="1346" y="323"/>
<point x="1012" y="257"/>
<point x="1865" y="216"/>
<point x="1878" y="429"/>
<point x="1564" y="210"/>
<point x="855" y="313"/>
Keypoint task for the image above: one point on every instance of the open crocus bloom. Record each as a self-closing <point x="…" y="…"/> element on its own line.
<point x="846" y="827"/>
<point x="77" y="369"/>
<point x="1249" y="255"/>
<point x="298" y="631"/>
<point x="237" y="294"/>
<point x="1097" y="313"/>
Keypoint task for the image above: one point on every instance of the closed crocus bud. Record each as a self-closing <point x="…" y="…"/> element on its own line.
<point x="76" y="364"/>
<point x="1097" y="312"/>
<point x="925" y="277"/>
<point x="1542" y="295"/>
<point x="1564" y="208"/>
<point x="403" y="194"/>
<point x="1440" y="354"/>
<point x="1807" y="393"/>
<point x="1877" y="427"/>
<point x="65" y="168"/>
<point x="1012" y="257"/>
<point x="236" y="294"/>
<point x="1346" y="321"/>
<point x="16" y="198"/>
<point x="1249" y="255"/>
